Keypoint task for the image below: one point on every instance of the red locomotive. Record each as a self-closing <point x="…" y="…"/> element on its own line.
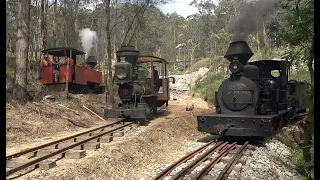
<point x="81" y="78"/>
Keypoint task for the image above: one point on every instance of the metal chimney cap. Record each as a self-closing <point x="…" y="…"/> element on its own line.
<point x="127" y="50"/>
<point x="239" y="50"/>
<point x="91" y="59"/>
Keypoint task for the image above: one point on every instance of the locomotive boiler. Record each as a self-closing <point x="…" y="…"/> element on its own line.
<point x="253" y="101"/>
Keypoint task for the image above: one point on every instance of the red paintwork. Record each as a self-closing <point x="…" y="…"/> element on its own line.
<point x="125" y="91"/>
<point x="94" y="76"/>
<point x="281" y="122"/>
<point x="47" y="75"/>
<point x="160" y="97"/>
<point x="63" y="73"/>
<point x="83" y="75"/>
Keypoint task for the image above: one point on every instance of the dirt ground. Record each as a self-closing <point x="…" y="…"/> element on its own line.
<point x="128" y="157"/>
<point x="39" y="121"/>
<point x="136" y="156"/>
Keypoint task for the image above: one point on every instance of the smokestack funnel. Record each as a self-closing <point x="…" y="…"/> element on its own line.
<point x="92" y="60"/>
<point x="239" y="50"/>
<point x="130" y="53"/>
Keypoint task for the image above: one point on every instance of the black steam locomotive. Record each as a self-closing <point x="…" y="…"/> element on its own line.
<point x="139" y="96"/>
<point x="253" y="102"/>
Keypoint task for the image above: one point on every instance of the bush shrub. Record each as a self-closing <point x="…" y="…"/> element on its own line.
<point x="306" y="169"/>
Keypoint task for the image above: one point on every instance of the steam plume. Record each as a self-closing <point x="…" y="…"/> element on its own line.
<point x="87" y="38"/>
<point x="250" y="13"/>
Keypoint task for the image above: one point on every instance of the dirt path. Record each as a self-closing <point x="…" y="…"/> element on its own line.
<point x="144" y="151"/>
<point x="162" y="141"/>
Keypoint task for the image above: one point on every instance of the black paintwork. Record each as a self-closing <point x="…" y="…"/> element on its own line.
<point x="62" y="51"/>
<point x="252" y="102"/>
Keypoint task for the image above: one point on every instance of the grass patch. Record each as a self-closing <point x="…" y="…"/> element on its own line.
<point x="303" y="167"/>
<point x="209" y="85"/>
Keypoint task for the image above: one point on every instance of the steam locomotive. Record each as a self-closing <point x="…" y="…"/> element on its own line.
<point x="81" y="78"/>
<point x="253" y="102"/>
<point x="140" y="96"/>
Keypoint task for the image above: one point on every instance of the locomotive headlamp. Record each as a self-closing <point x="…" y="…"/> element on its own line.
<point x="122" y="73"/>
<point x="235" y="66"/>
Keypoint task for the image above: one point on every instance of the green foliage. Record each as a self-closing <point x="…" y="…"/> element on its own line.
<point x="267" y="53"/>
<point x="144" y="74"/>
<point x="299" y="22"/>
<point x="306" y="169"/>
<point x="297" y="33"/>
<point x="201" y="62"/>
<point x="301" y="74"/>
<point x="209" y="85"/>
<point x="292" y="97"/>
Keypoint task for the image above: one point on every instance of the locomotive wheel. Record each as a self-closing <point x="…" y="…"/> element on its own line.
<point x="154" y="110"/>
<point x="142" y="122"/>
<point x="280" y="125"/>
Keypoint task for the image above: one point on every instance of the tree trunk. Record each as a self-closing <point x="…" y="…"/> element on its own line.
<point x="265" y="37"/>
<point x="109" y="85"/>
<point x="67" y="80"/>
<point x="310" y="63"/>
<point x="54" y="29"/>
<point x="43" y="29"/>
<point x="65" y="24"/>
<point x="75" y="27"/>
<point x="310" y="119"/>
<point x="20" y="88"/>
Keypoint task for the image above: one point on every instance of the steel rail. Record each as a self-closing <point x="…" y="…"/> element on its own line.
<point x="194" y="163"/>
<point x="214" y="161"/>
<point x="37" y="160"/>
<point x="222" y="149"/>
<point x="57" y="141"/>
<point x="166" y="171"/>
<point x="226" y="171"/>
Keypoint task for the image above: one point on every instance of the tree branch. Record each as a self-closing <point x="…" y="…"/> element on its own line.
<point x="130" y="26"/>
<point x="116" y="23"/>
<point x="135" y="29"/>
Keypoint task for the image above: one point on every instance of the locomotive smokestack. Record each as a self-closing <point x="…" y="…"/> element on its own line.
<point x="239" y="50"/>
<point x="92" y="60"/>
<point x="129" y="52"/>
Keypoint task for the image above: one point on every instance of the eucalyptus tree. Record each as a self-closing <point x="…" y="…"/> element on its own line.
<point x="297" y="33"/>
<point x="22" y="43"/>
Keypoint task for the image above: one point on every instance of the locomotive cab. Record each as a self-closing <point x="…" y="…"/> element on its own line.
<point x="274" y="80"/>
<point x="158" y="80"/>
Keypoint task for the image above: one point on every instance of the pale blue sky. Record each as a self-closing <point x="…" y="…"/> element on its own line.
<point x="180" y="6"/>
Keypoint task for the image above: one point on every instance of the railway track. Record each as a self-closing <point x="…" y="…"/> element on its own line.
<point x="72" y="147"/>
<point x="214" y="160"/>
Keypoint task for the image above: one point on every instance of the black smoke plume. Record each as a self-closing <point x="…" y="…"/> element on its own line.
<point x="249" y="17"/>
